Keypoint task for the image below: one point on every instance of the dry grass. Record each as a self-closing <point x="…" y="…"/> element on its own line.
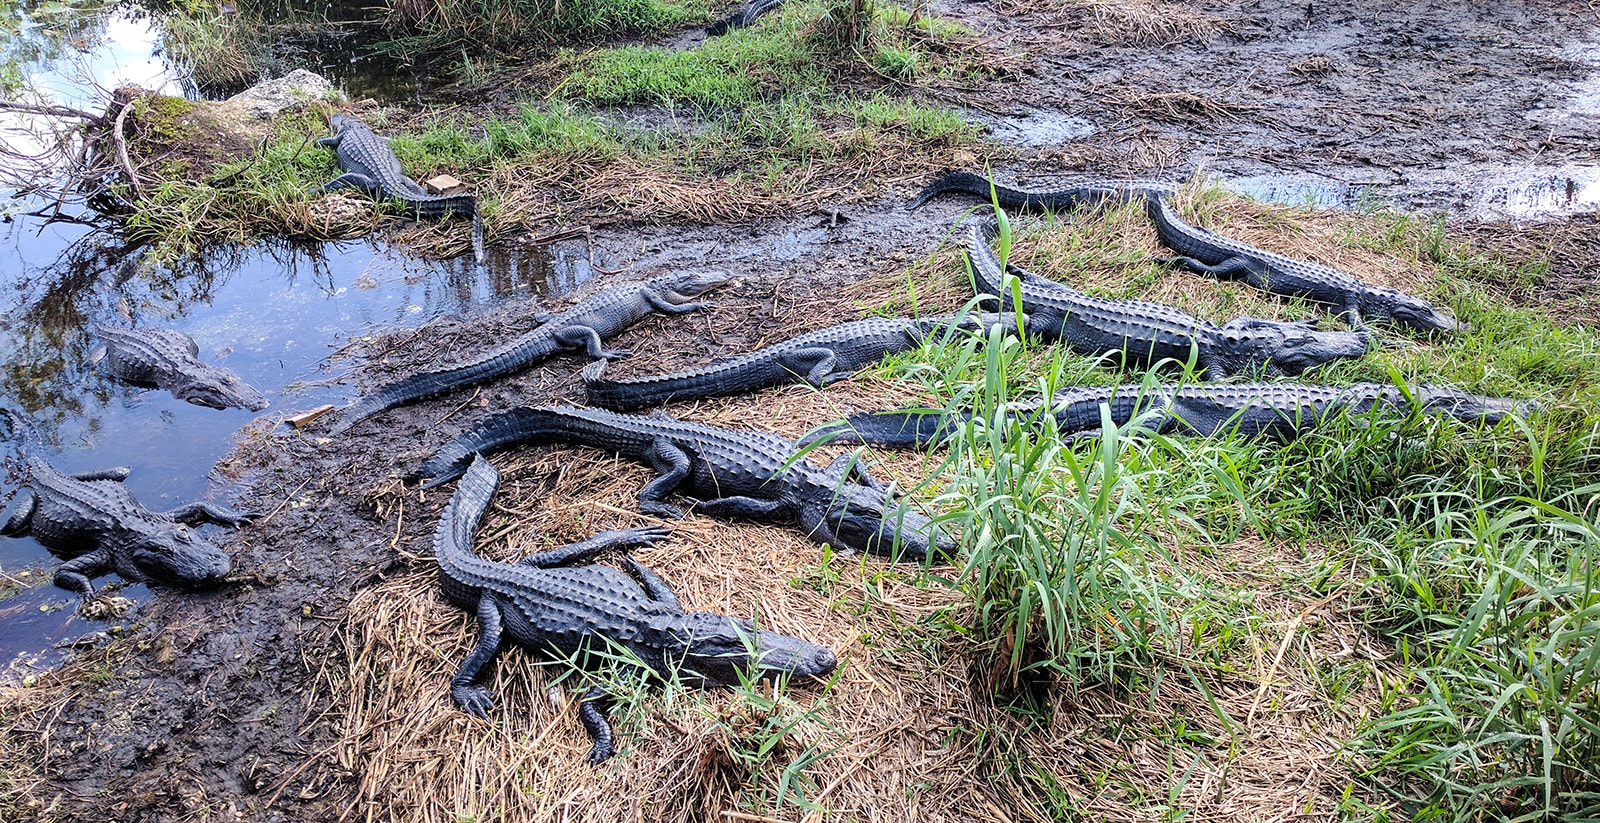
<point x="1144" y="22"/>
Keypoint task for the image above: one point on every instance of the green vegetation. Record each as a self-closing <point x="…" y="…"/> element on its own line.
<point x="1468" y="550"/>
<point x="503" y="25"/>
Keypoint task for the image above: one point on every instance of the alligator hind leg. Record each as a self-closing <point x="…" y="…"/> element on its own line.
<point x="815" y="365"/>
<point x="586" y="338"/>
<point x="351" y="181"/>
<point x="74" y="574"/>
<point x="1234" y="268"/>
<point x="471" y="697"/>
<point x="21" y="519"/>
<point x="673" y="464"/>
<point x="624" y="539"/>
<point x="201" y="511"/>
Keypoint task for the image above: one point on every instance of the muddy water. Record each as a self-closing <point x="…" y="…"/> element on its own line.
<point x="273" y="313"/>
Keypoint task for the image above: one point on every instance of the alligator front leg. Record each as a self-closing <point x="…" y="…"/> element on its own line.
<point x="850" y="465"/>
<point x="21" y="519"/>
<point x="740" y="507"/>
<point x="74" y="574"/>
<point x="464" y="690"/>
<point x="623" y="539"/>
<point x="673" y="464"/>
<point x="203" y="512"/>
<point x="117" y="473"/>
<point x="586" y="338"/>
<point x="592" y="713"/>
<point x="660" y="303"/>
<point x="654" y="586"/>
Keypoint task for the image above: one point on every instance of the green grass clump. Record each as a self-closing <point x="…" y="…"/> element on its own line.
<point x="434" y="26"/>
<point x="1469" y="550"/>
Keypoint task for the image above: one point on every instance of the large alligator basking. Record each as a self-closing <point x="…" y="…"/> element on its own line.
<point x="726" y="473"/>
<point x="169" y="359"/>
<point x="602" y="314"/>
<point x="1142" y="333"/>
<point x="1277" y="410"/>
<point x="1212" y="254"/>
<point x="817" y="358"/>
<point x="92" y="521"/>
<point x="560" y="601"/>
<point x="369" y="165"/>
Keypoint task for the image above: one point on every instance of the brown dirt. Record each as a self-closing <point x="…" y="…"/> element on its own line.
<point x="317" y="692"/>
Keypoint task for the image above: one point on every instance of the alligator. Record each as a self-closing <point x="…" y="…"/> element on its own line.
<point x="602" y="314"/>
<point x="1096" y="193"/>
<point x="369" y="165"/>
<point x="1280" y="411"/>
<point x="559" y="600"/>
<point x="169" y="359"/>
<point x="744" y="16"/>
<point x="1209" y="253"/>
<point x="91" y="521"/>
<point x="1142" y="333"/>
<point x="815" y="358"/>
<point x="729" y="473"/>
<point x="1227" y="259"/>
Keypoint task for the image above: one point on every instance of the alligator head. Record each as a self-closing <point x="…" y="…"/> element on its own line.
<point x="1403" y="309"/>
<point x="865" y="519"/>
<point x="219" y="389"/>
<point x="175" y="555"/>
<point x="680" y="288"/>
<point x="720" y="649"/>
<point x="1470" y="407"/>
<point x="1288" y="348"/>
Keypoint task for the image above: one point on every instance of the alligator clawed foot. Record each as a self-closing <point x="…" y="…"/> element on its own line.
<point x="613" y="354"/>
<point x="599" y="754"/>
<point x="104" y="607"/>
<point x="473" y="700"/>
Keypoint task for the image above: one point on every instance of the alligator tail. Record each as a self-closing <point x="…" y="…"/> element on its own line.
<point x="519" y="425"/>
<point x="452" y="541"/>
<point x="22" y="425"/>
<point x="896" y="429"/>
<point x="731" y="377"/>
<point x="432" y="384"/>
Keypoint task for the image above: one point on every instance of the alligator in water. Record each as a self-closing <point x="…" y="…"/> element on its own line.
<point x="169" y="359"/>
<point x="1276" y="410"/>
<point x="1228" y="259"/>
<point x="1143" y="333"/>
<point x="369" y="165"/>
<point x="92" y="521"/>
<point x="816" y="358"/>
<point x="602" y="314"/>
<point x="744" y="16"/>
<point x="1209" y="253"/>
<point x="727" y="473"/>
<point x="559" y="600"/>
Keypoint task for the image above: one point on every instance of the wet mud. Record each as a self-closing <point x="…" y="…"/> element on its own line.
<point x="215" y="705"/>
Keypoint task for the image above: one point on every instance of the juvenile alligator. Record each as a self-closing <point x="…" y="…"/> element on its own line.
<point x="816" y="358"/>
<point x="1276" y="410"/>
<point x="602" y="314"/>
<point x="169" y="359"/>
<point x="1228" y="259"/>
<point x="1095" y="193"/>
<point x="559" y="600"/>
<point x="1208" y="253"/>
<point x="369" y="165"/>
<point x="744" y="16"/>
<point x="1144" y="333"/>
<point x="92" y="521"/>
<point x="727" y="473"/>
